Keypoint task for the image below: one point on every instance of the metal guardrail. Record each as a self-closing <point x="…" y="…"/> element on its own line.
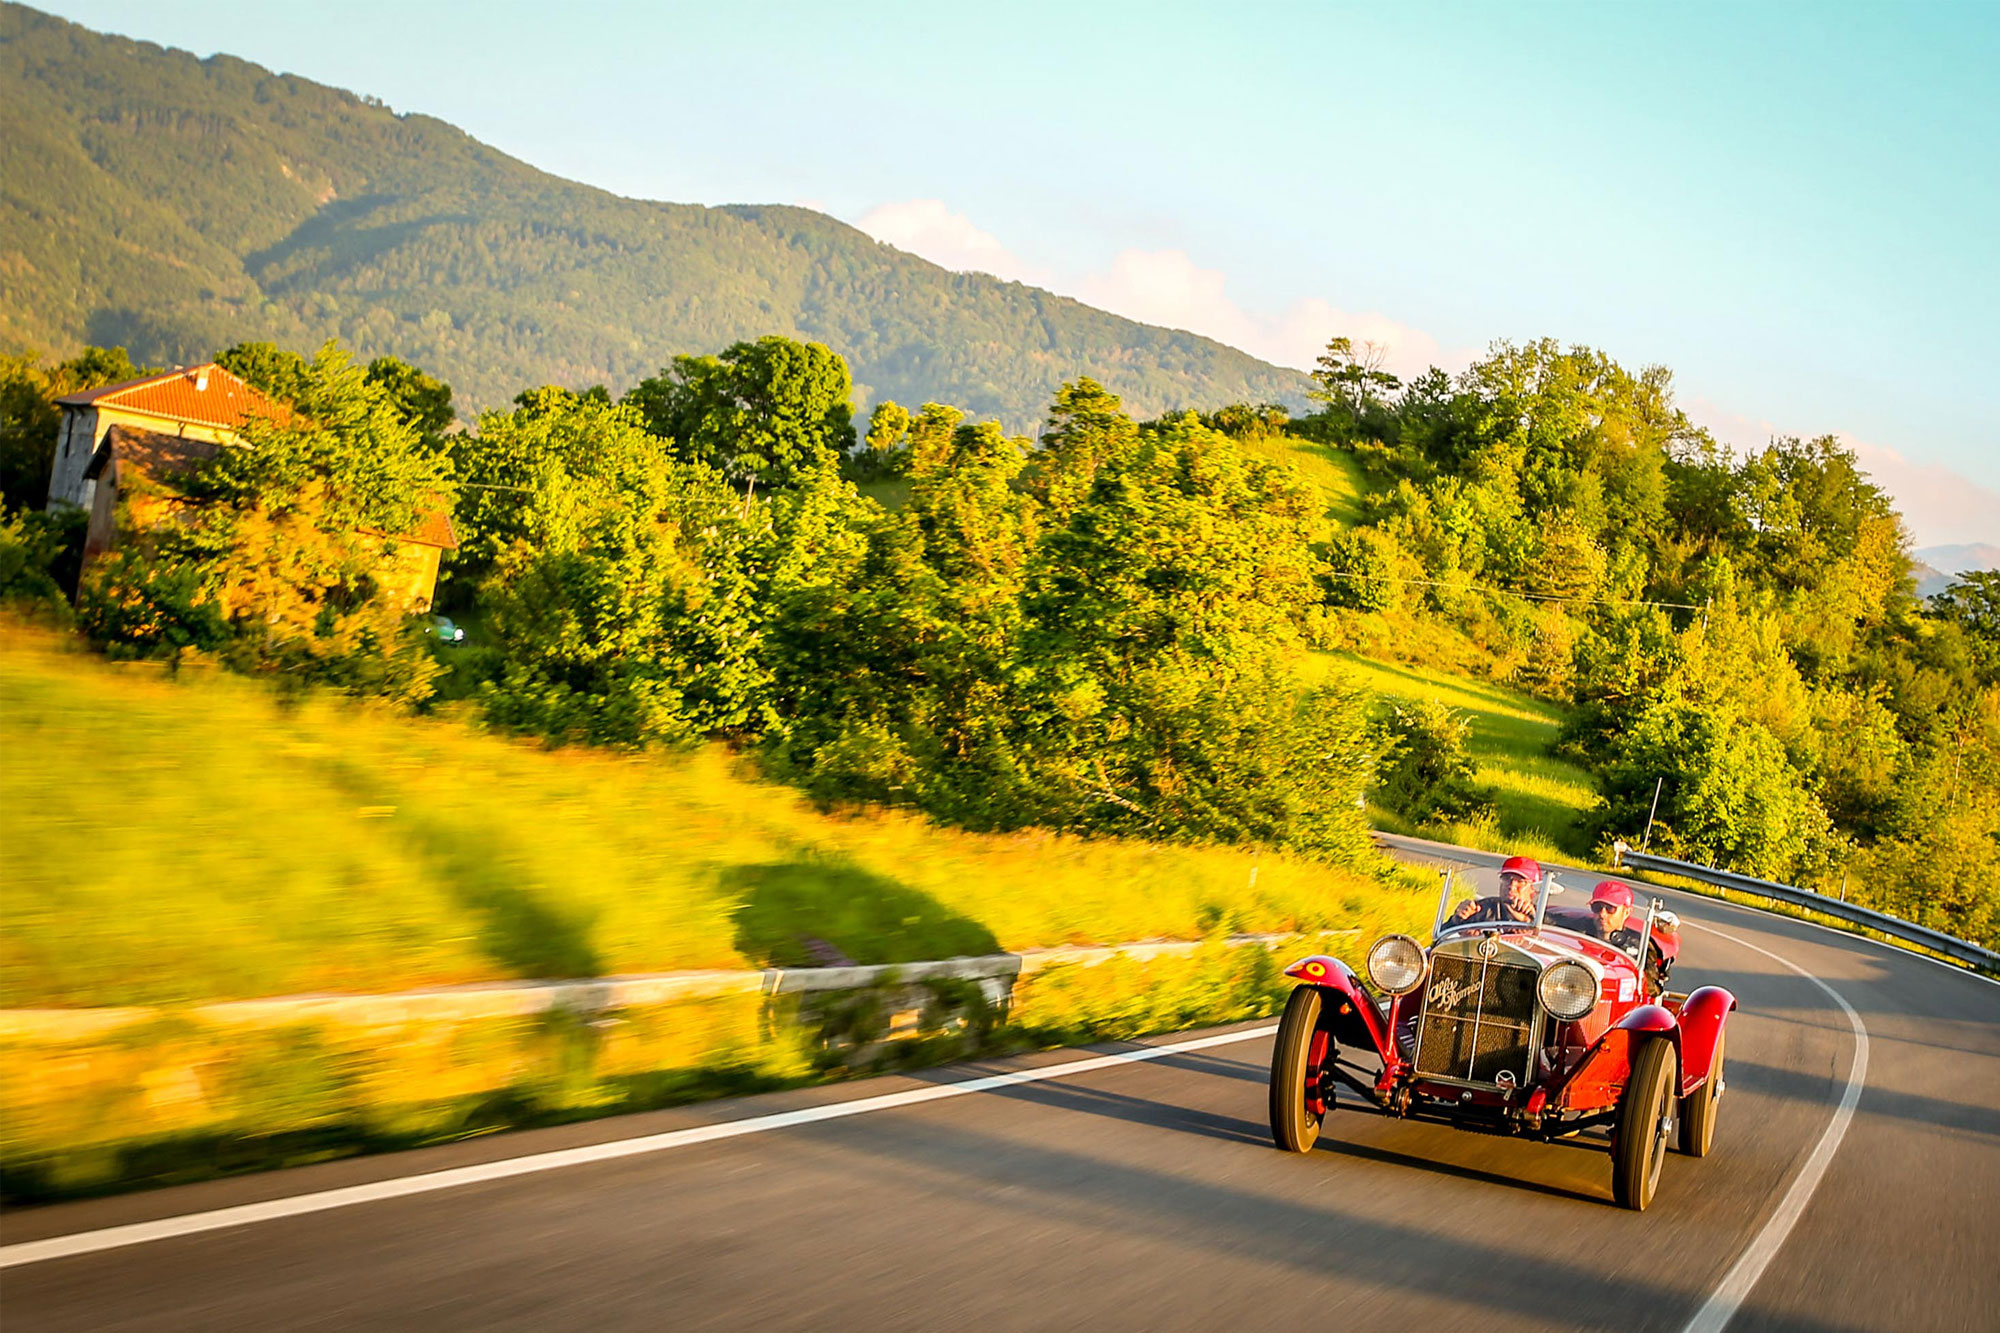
<point x="1964" y="951"/>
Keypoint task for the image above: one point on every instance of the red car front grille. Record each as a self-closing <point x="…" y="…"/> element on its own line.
<point x="1479" y="1020"/>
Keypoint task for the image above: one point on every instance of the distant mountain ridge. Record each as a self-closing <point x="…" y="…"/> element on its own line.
<point x="1961" y="558"/>
<point x="177" y="205"/>
<point x="1938" y="567"/>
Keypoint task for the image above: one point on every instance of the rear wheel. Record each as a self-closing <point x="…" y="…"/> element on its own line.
<point x="1698" y="1109"/>
<point x="1296" y="1108"/>
<point x="1645" y="1124"/>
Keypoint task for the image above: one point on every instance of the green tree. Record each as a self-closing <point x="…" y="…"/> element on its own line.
<point x="1972" y="604"/>
<point x="888" y="426"/>
<point x="1162" y="615"/>
<point x="1350" y="377"/>
<point x="896" y="675"/>
<point x="624" y="599"/>
<point x="278" y="371"/>
<point x="1730" y="796"/>
<point x="1086" y="427"/>
<point x="421" y="399"/>
<point x="1426" y="771"/>
<point x="768" y="410"/>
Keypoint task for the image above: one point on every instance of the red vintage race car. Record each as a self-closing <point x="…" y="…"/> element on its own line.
<point x="1532" y="1026"/>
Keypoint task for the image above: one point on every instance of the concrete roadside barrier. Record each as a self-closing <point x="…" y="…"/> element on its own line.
<point x="96" y="1099"/>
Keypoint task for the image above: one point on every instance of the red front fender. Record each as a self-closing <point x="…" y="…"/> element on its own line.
<point x="1702" y="1016"/>
<point x="1350" y="1012"/>
<point x="1600" y="1076"/>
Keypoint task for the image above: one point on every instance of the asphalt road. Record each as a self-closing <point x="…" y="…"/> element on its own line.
<point x="1147" y="1195"/>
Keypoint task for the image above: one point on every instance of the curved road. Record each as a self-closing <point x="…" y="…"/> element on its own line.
<point x="1134" y="1193"/>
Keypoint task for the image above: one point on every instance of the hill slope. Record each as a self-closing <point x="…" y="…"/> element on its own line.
<point x="177" y="205"/>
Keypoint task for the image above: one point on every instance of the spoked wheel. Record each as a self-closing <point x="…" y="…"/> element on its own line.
<point x="1698" y="1108"/>
<point x="1645" y="1125"/>
<point x="1297" y="1101"/>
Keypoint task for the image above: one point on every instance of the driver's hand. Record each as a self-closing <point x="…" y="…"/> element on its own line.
<point x="1464" y="910"/>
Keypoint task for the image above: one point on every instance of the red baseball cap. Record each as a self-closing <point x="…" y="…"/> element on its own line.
<point x="1611" y="891"/>
<point x="1522" y="866"/>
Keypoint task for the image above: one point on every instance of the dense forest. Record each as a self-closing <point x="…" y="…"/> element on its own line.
<point x="1103" y="629"/>
<point x="172" y="205"/>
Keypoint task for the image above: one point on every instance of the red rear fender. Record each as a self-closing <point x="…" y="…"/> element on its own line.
<point x="1349" y="1011"/>
<point x="1702" y="1017"/>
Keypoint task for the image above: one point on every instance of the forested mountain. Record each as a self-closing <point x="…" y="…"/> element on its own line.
<point x="177" y="206"/>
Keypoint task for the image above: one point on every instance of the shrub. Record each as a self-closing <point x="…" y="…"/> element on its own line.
<point x="1730" y="796"/>
<point x="1426" y="772"/>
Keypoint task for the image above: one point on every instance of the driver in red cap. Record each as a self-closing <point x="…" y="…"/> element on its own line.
<point x="1516" y="901"/>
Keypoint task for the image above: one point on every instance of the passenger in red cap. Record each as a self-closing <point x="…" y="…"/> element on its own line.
<point x="1611" y="905"/>
<point x="1516" y="901"/>
<point x="1611" y="912"/>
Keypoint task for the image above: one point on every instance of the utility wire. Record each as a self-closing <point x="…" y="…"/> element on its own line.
<point x="1509" y="592"/>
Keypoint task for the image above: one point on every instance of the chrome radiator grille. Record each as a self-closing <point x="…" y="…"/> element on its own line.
<point x="1479" y="1019"/>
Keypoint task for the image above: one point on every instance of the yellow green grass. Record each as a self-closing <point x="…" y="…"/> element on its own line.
<point x="1335" y="472"/>
<point x="165" y="840"/>
<point x="1541" y="799"/>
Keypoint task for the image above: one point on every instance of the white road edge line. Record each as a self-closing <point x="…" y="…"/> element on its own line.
<point x="271" y="1210"/>
<point x="1736" y="1285"/>
<point x="1896" y="949"/>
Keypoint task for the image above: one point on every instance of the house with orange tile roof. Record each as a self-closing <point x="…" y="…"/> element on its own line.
<point x="115" y="440"/>
<point x="194" y="403"/>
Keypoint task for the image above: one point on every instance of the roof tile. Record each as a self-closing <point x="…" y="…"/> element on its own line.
<point x="205" y="395"/>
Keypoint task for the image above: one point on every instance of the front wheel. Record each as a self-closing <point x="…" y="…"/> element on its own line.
<point x="1296" y="1109"/>
<point x="1698" y="1109"/>
<point x="1644" y="1126"/>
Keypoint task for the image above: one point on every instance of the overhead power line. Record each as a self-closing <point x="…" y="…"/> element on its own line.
<point x="1526" y="596"/>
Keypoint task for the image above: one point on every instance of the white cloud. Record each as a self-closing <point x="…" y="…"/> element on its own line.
<point x="930" y="230"/>
<point x="1168" y="287"/>
<point x="1940" y="506"/>
<point x="1163" y="287"/>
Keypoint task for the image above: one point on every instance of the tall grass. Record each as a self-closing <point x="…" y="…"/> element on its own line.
<point x="173" y="839"/>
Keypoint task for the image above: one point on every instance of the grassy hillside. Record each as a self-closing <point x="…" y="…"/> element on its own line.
<point x="168" y="840"/>
<point x="1335" y="472"/>
<point x="177" y="205"/>
<point x="1541" y="799"/>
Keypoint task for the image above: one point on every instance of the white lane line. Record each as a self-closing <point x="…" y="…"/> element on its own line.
<point x="1736" y="1285"/>
<point x="139" y="1233"/>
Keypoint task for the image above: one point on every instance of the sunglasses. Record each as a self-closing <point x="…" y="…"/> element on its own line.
<point x="1606" y="907"/>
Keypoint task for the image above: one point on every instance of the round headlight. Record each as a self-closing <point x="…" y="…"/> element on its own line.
<point x="1396" y="964"/>
<point x="1568" y="991"/>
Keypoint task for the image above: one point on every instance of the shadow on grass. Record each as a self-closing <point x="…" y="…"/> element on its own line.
<point x="813" y="911"/>
<point x="519" y="927"/>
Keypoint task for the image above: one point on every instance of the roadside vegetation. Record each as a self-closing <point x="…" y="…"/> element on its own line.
<point x="173" y="838"/>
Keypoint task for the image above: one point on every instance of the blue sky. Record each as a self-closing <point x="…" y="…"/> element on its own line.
<point x="1789" y="204"/>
